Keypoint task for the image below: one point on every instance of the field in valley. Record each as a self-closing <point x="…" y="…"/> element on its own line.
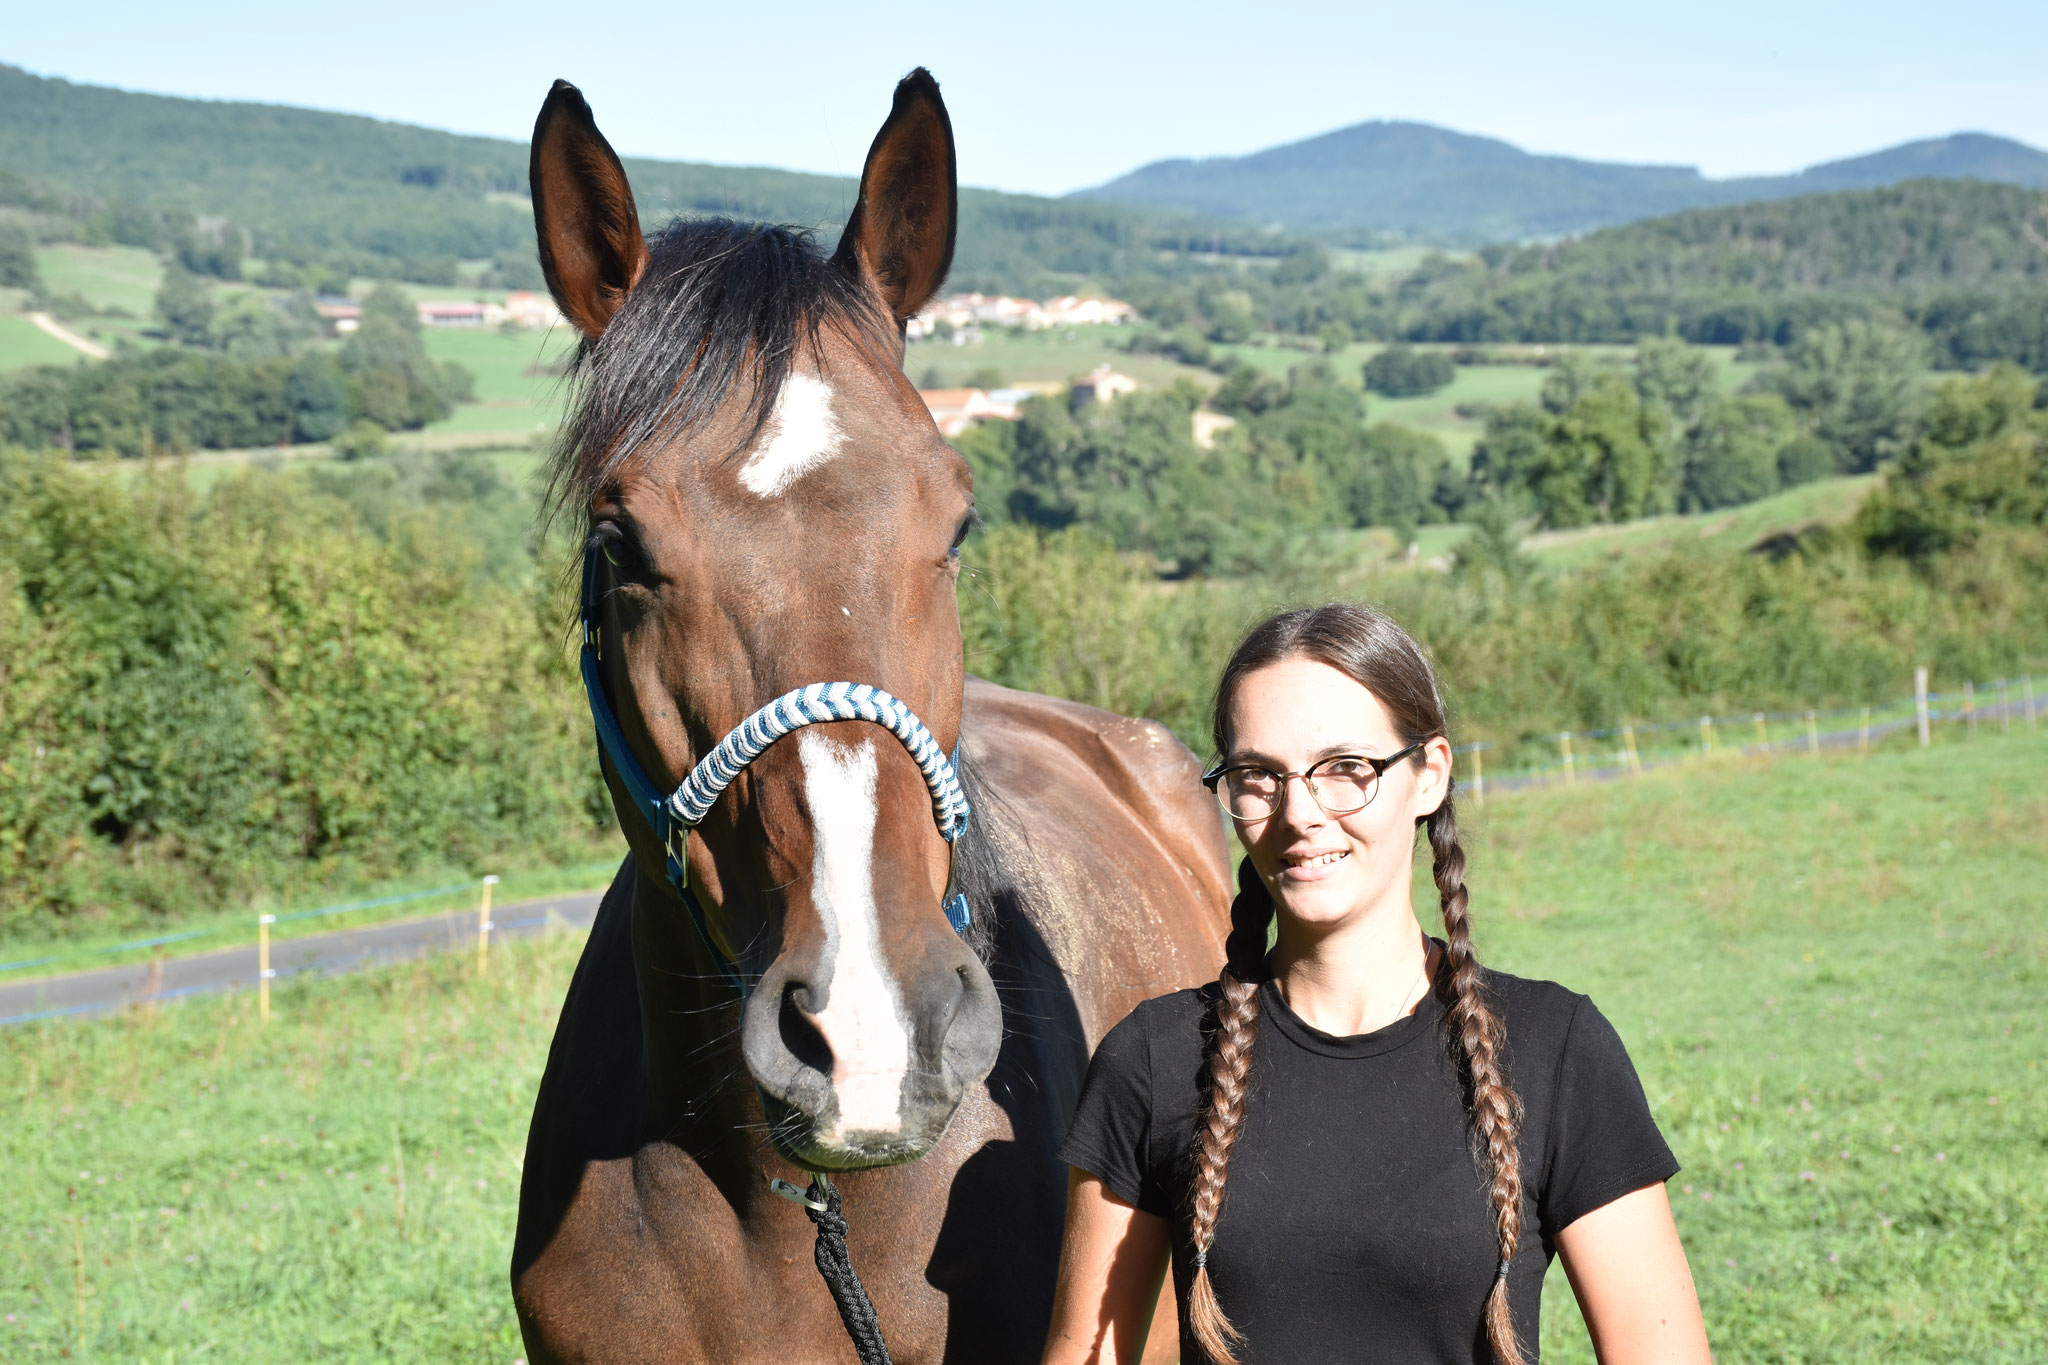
<point x="1828" y="972"/>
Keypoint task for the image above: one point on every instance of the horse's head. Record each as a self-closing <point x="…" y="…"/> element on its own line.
<point x="769" y="505"/>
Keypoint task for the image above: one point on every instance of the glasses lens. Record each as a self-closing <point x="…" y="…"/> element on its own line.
<point x="1249" y="793"/>
<point x="1343" y="785"/>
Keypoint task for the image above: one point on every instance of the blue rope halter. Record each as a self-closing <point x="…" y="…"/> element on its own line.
<point x="671" y="817"/>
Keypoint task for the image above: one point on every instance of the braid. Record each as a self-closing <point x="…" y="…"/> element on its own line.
<point x="1230" y="1064"/>
<point x="1496" y="1109"/>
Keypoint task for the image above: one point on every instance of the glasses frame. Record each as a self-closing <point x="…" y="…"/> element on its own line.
<point x="1379" y="768"/>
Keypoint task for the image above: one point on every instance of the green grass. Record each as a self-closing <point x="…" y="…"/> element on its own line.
<point x="1829" y="973"/>
<point x="1823" y="502"/>
<point x="22" y="343"/>
<point x="1827" y="970"/>
<point x="124" y="277"/>
<point x="518" y="393"/>
<point x="340" y="1184"/>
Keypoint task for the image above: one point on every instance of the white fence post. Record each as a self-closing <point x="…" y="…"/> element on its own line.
<point x="1920" y="703"/>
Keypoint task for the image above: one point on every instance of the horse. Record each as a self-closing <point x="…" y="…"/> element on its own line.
<point x="813" y="970"/>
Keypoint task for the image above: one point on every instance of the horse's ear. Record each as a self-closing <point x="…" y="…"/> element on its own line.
<point x="591" y="249"/>
<point x="900" y="234"/>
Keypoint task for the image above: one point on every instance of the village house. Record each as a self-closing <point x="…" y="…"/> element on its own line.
<point x="955" y="410"/>
<point x="964" y="314"/>
<point x="1102" y="385"/>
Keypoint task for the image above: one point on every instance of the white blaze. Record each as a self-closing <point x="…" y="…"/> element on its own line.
<point x="863" y="1019"/>
<point x="800" y="435"/>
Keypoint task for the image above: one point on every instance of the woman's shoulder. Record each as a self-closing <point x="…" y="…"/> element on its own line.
<point x="1161" y="1027"/>
<point x="1539" y="1015"/>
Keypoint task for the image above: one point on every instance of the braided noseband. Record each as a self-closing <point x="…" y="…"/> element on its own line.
<point x="810" y="706"/>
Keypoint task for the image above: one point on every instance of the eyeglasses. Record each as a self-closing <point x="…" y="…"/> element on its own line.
<point x="1340" y="784"/>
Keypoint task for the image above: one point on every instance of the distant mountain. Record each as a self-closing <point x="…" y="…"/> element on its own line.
<point x="1415" y="181"/>
<point x="307" y="184"/>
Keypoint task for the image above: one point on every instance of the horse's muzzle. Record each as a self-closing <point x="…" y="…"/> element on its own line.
<point x="851" y="1075"/>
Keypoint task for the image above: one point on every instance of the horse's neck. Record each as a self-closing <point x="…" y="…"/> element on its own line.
<point x="700" y="1097"/>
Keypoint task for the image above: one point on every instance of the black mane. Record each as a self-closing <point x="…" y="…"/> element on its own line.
<point x="723" y="306"/>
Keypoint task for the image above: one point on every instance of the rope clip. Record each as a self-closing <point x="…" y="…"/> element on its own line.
<point x="818" y="1196"/>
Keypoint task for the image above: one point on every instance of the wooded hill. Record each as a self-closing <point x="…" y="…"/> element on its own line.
<point x="1967" y="262"/>
<point x="387" y="198"/>
<point x="1412" y="181"/>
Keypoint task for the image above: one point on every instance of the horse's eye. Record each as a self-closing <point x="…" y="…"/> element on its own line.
<point x="967" y="523"/>
<point x="618" y="547"/>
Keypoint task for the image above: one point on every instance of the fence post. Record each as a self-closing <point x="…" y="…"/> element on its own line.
<point x="1920" y="702"/>
<point x="2005" y="706"/>
<point x="1970" y="706"/>
<point x="263" y="972"/>
<point x="1628" y="742"/>
<point x="1763" y="734"/>
<point x="1863" y="740"/>
<point x="484" y="926"/>
<point x="1564" y="744"/>
<point x="1812" y="734"/>
<point x="1479" y="773"/>
<point x="2030" y="701"/>
<point x="1706" y="735"/>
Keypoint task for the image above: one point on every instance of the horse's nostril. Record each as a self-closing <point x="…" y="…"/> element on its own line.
<point x="801" y="1036"/>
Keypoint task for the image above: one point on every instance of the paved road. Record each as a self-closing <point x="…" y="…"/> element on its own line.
<point x="112" y="988"/>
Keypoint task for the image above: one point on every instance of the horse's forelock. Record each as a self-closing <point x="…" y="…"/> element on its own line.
<point x="720" y="315"/>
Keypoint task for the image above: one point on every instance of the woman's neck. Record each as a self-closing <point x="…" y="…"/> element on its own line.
<point x="1356" y="976"/>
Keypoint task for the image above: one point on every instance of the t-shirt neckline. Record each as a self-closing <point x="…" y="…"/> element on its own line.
<point x="1399" y="1034"/>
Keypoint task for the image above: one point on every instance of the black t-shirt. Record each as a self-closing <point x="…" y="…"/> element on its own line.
<point x="1355" y="1222"/>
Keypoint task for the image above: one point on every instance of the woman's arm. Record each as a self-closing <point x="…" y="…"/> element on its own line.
<point x="1110" y="1269"/>
<point x="1633" y="1284"/>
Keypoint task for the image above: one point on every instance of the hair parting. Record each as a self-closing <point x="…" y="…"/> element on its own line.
<point x="1373" y="651"/>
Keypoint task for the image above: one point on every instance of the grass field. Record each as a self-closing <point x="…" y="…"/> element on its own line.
<point x="1823" y="502"/>
<point x="22" y="343"/>
<point x="1828" y="972"/>
<point x="124" y="277"/>
<point x="518" y="388"/>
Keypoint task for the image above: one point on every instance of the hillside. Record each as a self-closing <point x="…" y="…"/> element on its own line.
<point x="311" y="185"/>
<point x="1416" y="181"/>
<point x="1961" y="260"/>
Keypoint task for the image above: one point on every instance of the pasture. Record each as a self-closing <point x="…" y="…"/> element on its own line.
<point x="1828" y="972"/>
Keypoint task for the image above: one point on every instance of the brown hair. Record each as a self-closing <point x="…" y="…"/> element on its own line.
<point x="1368" y="647"/>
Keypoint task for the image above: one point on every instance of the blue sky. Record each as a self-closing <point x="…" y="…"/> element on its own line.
<point x="1052" y="96"/>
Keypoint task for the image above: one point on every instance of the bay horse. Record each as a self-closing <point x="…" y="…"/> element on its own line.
<point x="774" y="984"/>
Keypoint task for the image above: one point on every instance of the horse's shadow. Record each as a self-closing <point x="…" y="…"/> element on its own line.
<point x="999" y="1289"/>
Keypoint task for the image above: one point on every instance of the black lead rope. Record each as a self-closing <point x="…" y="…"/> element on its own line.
<point x="821" y="1203"/>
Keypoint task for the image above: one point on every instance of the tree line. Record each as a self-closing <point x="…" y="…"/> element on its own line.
<point x="365" y="671"/>
<point x="254" y="373"/>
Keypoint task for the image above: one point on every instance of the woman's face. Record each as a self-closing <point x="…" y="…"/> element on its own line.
<point x="1322" y="868"/>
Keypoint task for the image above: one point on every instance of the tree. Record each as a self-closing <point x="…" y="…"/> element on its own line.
<point x="18" y="269"/>
<point x="1401" y="371"/>
<point x="185" y="304"/>
<point x="1853" y="385"/>
<point x="1733" y="455"/>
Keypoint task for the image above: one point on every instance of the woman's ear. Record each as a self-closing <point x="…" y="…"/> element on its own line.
<point x="591" y="249"/>
<point x="1433" y="778"/>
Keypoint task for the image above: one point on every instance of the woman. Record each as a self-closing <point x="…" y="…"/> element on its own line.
<point x="1360" y="1146"/>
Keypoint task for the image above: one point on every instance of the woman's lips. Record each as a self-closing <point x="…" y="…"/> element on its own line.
<point x="1313" y="867"/>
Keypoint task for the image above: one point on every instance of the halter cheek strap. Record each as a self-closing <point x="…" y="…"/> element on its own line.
<point x="671" y="817"/>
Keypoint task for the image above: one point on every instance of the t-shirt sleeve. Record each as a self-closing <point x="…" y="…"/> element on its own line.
<point x="1110" y="1136"/>
<point x="1604" y="1144"/>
